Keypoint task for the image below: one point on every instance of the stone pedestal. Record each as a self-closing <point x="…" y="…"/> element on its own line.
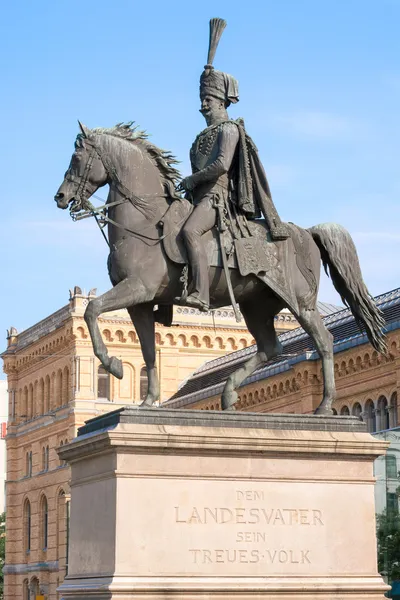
<point x="202" y="505"/>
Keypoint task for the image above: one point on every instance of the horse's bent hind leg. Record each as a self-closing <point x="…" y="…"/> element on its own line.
<point x="312" y="323"/>
<point x="122" y="295"/>
<point x="268" y="346"/>
<point x="142" y="316"/>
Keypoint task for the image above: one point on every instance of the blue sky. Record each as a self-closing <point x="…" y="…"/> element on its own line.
<point x="319" y="91"/>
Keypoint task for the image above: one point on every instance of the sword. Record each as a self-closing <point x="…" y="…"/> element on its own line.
<point x="221" y="228"/>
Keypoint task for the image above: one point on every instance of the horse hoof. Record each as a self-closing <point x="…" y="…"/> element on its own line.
<point x="229" y="400"/>
<point x="323" y="411"/>
<point x="116" y="367"/>
<point x="148" y="402"/>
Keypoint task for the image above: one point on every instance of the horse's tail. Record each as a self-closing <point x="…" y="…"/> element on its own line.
<point x="339" y="254"/>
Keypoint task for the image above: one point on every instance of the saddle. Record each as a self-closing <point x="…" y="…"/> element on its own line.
<point x="252" y="254"/>
<point x="255" y="254"/>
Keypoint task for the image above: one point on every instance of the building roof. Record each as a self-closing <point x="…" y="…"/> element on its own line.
<point x="326" y="309"/>
<point x="209" y="379"/>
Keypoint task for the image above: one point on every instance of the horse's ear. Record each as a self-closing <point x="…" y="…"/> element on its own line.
<point x="85" y="131"/>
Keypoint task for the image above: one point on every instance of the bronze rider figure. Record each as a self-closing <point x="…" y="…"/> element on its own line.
<point x="225" y="168"/>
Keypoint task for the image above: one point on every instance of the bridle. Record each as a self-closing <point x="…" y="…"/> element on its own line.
<point x="82" y="208"/>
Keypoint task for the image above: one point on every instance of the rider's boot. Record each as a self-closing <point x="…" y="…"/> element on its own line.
<point x="195" y="301"/>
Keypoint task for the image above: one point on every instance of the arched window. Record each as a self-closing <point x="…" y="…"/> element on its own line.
<point x="62" y="462"/>
<point x="103" y="383"/>
<point x="370" y="416"/>
<point x="27" y="526"/>
<point x="345" y="410"/>
<point x="59" y="388"/>
<point x="25" y="590"/>
<point x="47" y="394"/>
<point x="45" y="458"/>
<point x="143" y="383"/>
<point x="391" y="466"/>
<point x="24" y="414"/>
<point x="28" y="465"/>
<point x="30" y="402"/>
<point x="382" y="414"/>
<point x="65" y="388"/>
<point x="393" y="410"/>
<point x="334" y="411"/>
<point x="34" y="588"/>
<point x="40" y="398"/>
<point x="357" y="410"/>
<point x="44" y="523"/>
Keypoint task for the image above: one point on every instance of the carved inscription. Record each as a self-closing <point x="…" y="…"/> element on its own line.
<point x="252" y="516"/>
<point x="251" y="545"/>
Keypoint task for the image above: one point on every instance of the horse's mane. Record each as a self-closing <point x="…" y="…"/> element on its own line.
<point x="163" y="159"/>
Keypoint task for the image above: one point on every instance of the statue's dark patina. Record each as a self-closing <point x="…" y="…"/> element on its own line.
<point x="264" y="265"/>
<point x="225" y="165"/>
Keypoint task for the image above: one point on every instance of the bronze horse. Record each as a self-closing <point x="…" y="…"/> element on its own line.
<point x="142" y="181"/>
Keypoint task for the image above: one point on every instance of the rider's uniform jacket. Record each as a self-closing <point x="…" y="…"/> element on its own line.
<point x="225" y="161"/>
<point x="213" y="158"/>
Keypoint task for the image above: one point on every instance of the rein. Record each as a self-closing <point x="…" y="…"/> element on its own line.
<point x="99" y="213"/>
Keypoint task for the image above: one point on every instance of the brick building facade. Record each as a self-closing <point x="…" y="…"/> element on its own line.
<point x="367" y="383"/>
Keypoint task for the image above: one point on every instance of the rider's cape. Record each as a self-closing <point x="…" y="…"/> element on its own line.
<point x="253" y="195"/>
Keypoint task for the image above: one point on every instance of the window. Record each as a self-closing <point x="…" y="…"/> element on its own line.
<point x="370" y="416"/>
<point x="59" y="388"/>
<point x="35" y="589"/>
<point x="393" y="410"/>
<point x="391" y="466"/>
<point x="103" y="384"/>
<point x="44" y="515"/>
<point x="47" y="395"/>
<point x="143" y="383"/>
<point x="28" y="465"/>
<point x="383" y="414"/>
<point x="357" y="410"/>
<point x="25" y="592"/>
<point x="392" y="504"/>
<point x="27" y="525"/>
<point x="62" y="462"/>
<point x="345" y="410"/>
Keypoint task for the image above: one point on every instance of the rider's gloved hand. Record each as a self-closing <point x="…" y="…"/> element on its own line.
<point x="186" y="185"/>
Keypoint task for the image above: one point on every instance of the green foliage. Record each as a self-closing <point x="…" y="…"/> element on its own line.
<point x="2" y="550"/>
<point x="388" y="533"/>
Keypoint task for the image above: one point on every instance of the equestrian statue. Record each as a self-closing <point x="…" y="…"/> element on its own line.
<point x="210" y="247"/>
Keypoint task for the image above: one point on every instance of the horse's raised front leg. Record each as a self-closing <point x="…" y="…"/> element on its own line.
<point x="124" y="294"/>
<point x="312" y="323"/>
<point x="142" y="316"/>
<point x="261" y="326"/>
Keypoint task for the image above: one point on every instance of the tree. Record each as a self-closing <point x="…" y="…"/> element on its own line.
<point x="388" y="534"/>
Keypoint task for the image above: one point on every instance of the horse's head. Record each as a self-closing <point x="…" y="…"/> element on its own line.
<point x="86" y="173"/>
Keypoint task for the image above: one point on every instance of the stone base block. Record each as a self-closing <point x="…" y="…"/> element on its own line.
<point x="202" y="505"/>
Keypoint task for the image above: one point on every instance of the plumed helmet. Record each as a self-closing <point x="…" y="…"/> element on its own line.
<point x="216" y="83"/>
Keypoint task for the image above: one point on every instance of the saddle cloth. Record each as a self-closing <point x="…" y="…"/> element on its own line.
<point x="256" y="255"/>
